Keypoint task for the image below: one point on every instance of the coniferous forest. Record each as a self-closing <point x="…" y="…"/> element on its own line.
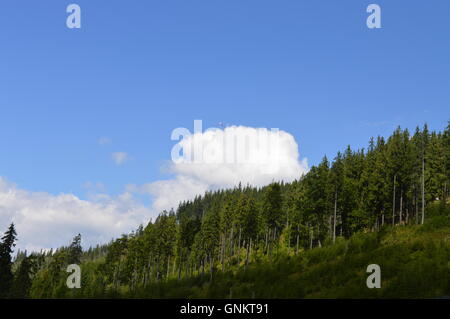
<point x="387" y="204"/>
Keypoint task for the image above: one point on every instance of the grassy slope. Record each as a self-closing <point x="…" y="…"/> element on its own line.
<point x="414" y="263"/>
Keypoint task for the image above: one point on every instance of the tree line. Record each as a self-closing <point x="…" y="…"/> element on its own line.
<point x="390" y="183"/>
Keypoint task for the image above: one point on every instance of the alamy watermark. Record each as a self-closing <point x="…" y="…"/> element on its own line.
<point x="73" y="21"/>
<point x="230" y="145"/>
<point x="374" y="19"/>
<point x="374" y="279"/>
<point x="74" y="279"/>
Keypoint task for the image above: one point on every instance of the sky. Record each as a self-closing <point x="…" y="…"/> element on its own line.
<point x="86" y="115"/>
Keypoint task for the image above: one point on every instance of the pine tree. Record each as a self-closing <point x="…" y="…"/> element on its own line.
<point x="446" y="146"/>
<point x="22" y="280"/>
<point x="272" y="208"/>
<point x="230" y="228"/>
<point x="75" y="251"/>
<point x="6" y="248"/>
<point x="336" y="181"/>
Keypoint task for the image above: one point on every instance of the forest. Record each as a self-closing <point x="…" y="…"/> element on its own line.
<point x="311" y="238"/>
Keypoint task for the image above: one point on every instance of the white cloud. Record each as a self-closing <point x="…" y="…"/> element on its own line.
<point x="119" y="157"/>
<point x="168" y="194"/>
<point x="48" y="221"/>
<point x="274" y="157"/>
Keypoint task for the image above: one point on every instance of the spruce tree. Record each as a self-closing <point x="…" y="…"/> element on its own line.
<point x="75" y="251"/>
<point x="272" y="207"/>
<point x="22" y="280"/>
<point x="6" y="248"/>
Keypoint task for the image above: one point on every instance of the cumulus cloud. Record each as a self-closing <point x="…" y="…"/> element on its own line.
<point x="168" y="194"/>
<point x="119" y="157"/>
<point x="218" y="158"/>
<point x="48" y="221"/>
<point x="222" y="158"/>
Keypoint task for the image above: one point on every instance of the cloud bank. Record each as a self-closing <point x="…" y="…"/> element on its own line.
<point x="268" y="156"/>
<point x="48" y="221"/>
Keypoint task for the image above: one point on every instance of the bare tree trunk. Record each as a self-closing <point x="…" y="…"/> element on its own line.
<point x="239" y="244"/>
<point x="267" y="237"/>
<point x="289" y="238"/>
<point x="393" y="202"/>
<point x="144" y="275"/>
<point x="276" y="241"/>
<point x="231" y="241"/>
<point x="149" y="269"/>
<point x="222" y="253"/>
<point x="423" y="188"/>
<point x="174" y="266"/>
<point x="444" y="194"/>
<point x="211" y="262"/>
<point x="248" y="255"/>
<point x="168" y="268"/>
<point x="287" y="218"/>
<point x="401" y="205"/>
<point x="203" y="267"/>
<point x="416" y="207"/>
<point x="334" y="219"/>
<point x="157" y="269"/>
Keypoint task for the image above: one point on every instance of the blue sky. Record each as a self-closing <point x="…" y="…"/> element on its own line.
<point x="138" y="69"/>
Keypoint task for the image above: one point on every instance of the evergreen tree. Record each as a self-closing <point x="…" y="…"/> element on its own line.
<point x="22" y="279"/>
<point x="336" y="184"/>
<point x="359" y="191"/>
<point x="272" y="207"/>
<point x="75" y="251"/>
<point x="6" y="248"/>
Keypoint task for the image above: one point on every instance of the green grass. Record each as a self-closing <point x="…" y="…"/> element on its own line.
<point x="414" y="263"/>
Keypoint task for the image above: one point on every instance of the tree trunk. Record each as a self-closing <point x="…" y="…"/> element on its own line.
<point x="289" y="238"/>
<point x="393" y="202"/>
<point x="168" y="268"/>
<point x="401" y="205"/>
<point x="248" y="255"/>
<point x="239" y="244"/>
<point x="231" y="241"/>
<point x="211" y="262"/>
<point x="203" y="267"/>
<point x="222" y="253"/>
<point x="416" y="207"/>
<point x="267" y="238"/>
<point x="423" y="188"/>
<point x="334" y="219"/>
<point x="174" y="266"/>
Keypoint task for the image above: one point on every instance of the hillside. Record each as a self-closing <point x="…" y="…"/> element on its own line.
<point x="312" y="238"/>
<point x="414" y="261"/>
